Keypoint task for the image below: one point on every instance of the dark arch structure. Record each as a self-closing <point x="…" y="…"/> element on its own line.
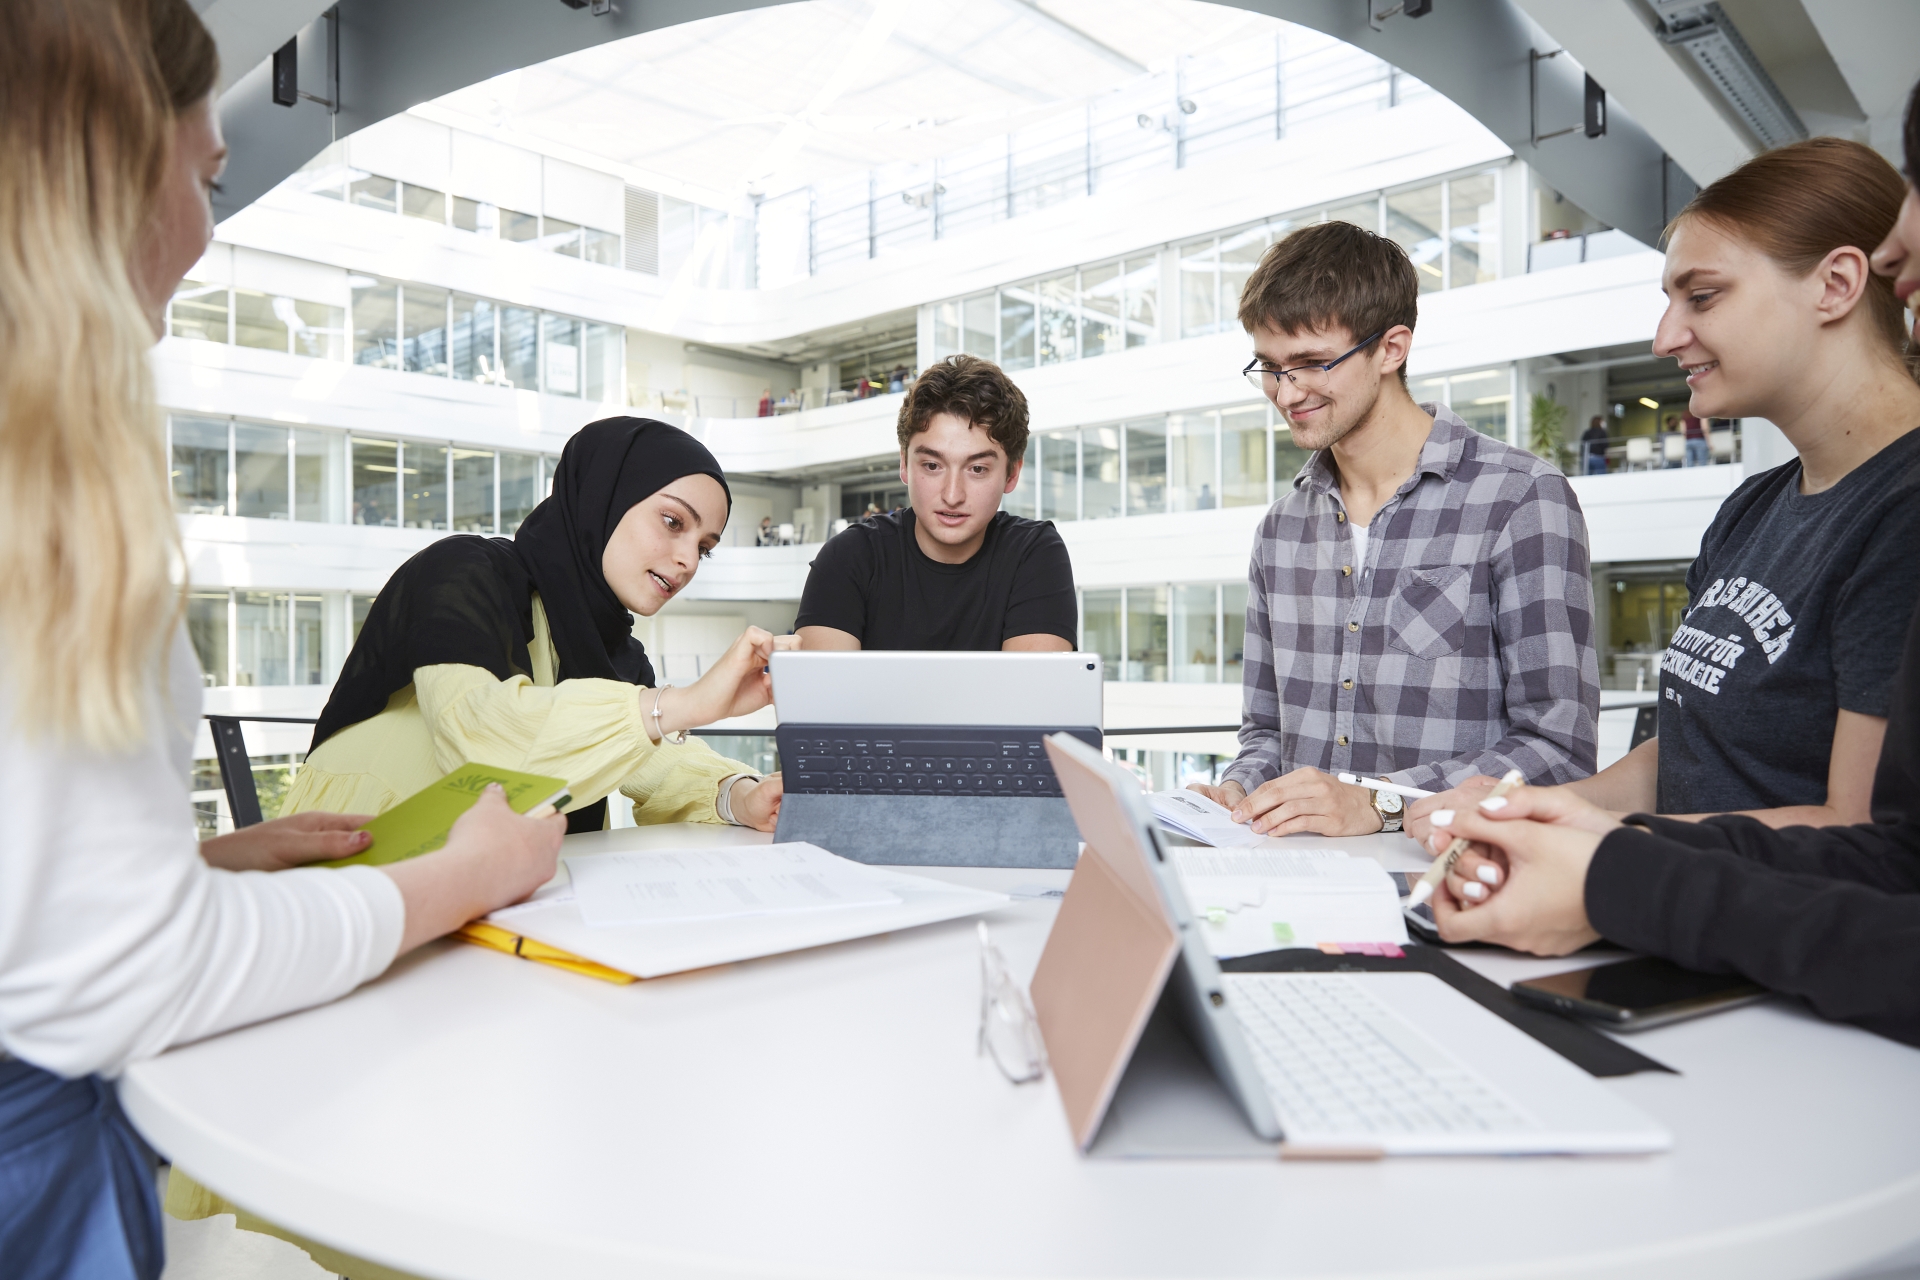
<point x="1476" y="52"/>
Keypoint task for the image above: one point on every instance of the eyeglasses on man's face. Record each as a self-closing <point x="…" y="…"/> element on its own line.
<point x="1311" y="378"/>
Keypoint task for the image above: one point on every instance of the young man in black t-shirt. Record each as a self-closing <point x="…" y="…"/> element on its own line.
<point x="952" y="570"/>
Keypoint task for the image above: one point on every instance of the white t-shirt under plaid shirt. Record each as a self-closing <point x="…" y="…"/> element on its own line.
<point x="1464" y="645"/>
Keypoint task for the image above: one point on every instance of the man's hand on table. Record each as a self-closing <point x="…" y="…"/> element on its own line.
<point x="1304" y="801"/>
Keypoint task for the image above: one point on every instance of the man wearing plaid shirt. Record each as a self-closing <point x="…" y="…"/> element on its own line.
<point x="1419" y="606"/>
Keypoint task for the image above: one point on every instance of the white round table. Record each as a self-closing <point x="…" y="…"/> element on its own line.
<point x="823" y="1114"/>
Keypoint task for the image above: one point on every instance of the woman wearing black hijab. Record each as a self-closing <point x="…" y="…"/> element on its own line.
<point x="520" y="653"/>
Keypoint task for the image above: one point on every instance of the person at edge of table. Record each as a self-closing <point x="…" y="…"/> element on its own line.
<point x="1419" y="604"/>
<point x="951" y="570"/>
<point x="1593" y="446"/>
<point x="121" y="934"/>
<point x="1830" y="914"/>
<point x="1775" y="686"/>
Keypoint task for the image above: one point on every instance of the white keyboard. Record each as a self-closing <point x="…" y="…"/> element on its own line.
<point x="1337" y="1061"/>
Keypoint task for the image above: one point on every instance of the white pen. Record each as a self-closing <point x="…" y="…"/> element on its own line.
<point x="1376" y="784"/>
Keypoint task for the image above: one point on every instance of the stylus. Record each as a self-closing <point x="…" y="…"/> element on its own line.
<point x="1380" y="784"/>
<point x="1444" y="863"/>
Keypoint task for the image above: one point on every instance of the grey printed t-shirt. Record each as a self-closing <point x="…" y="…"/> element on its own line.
<point x="1799" y="604"/>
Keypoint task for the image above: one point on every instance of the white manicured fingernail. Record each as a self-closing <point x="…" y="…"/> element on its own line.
<point x="1493" y="804"/>
<point x="1441" y="818"/>
<point x="1474" y="891"/>
<point x="1489" y="874"/>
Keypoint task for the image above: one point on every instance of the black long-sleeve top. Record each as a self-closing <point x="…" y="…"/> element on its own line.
<point x="1830" y="914"/>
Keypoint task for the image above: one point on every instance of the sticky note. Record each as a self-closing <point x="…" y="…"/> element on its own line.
<point x="1217" y="917"/>
<point x="1282" y="932"/>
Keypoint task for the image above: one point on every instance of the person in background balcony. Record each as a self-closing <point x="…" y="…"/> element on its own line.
<point x="768" y="536"/>
<point x="1698" y="455"/>
<point x="520" y="652"/>
<point x="1774" y="688"/>
<point x="766" y="402"/>
<point x="121" y="935"/>
<point x="1593" y="445"/>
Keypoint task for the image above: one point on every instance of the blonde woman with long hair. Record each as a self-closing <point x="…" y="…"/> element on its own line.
<point x="120" y="934"/>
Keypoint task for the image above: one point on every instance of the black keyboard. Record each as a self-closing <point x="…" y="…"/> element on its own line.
<point x="918" y="760"/>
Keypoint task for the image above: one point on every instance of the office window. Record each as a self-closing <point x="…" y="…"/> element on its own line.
<point x="1413" y="222"/>
<point x="199" y="466"/>
<point x="520" y="347"/>
<point x="600" y="362"/>
<point x="1473" y="230"/>
<point x="560" y="236"/>
<point x="1233" y="631"/>
<point x="316" y="474"/>
<point x="374" y="193"/>
<point x="1016" y="327"/>
<point x="207" y="629"/>
<point x="1146" y="634"/>
<point x="521" y="227"/>
<point x="471" y="354"/>
<point x="424" y="492"/>
<point x="1199" y="288"/>
<point x="560" y="356"/>
<point x="1484" y="399"/>
<point x="1288" y="457"/>
<point x="425" y="348"/>
<point x="1361" y="213"/>
<point x="1099" y="473"/>
<point x="360" y="607"/>
<point x="520" y="489"/>
<point x="1194" y="635"/>
<point x="1020" y="501"/>
<point x="1102" y="290"/>
<point x="319" y="331"/>
<point x="1059" y="327"/>
<point x="1643" y="609"/>
<point x="1428" y="390"/>
<point x="1240" y="253"/>
<point x="261" y="638"/>
<point x="978" y="338"/>
<point x="1143" y="300"/>
<point x="260" y="471"/>
<point x="1191" y="453"/>
<point x="1146" y="467"/>
<point x="476" y="216"/>
<point x="255" y="322"/>
<point x="199" y="311"/>
<point x="946" y="329"/>
<point x="424" y="203"/>
<point x="1243" y="456"/>
<point x="309" y="633"/>
<point x="547" y="465"/>
<point x="1100" y="628"/>
<point x="602" y="247"/>
<point x="1059" y="454"/>
<point x="472" y="490"/>
<point x="376" y="323"/>
<point x="376" y="482"/>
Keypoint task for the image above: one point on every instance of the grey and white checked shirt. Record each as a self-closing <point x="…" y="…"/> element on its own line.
<point x="1463" y="645"/>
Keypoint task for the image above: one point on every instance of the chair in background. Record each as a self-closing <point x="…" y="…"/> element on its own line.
<point x="785" y="532"/>
<point x="1673" y="449"/>
<point x="1720" y="442"/>
<point x="236" y="766"/>
<point x="1639" y="453"/>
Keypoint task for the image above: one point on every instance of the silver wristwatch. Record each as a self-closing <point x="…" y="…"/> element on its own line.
<point x="1391" y="809"/>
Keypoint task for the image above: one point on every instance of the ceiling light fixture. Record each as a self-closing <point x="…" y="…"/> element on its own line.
<point x="1650" y="403"/>
<point x="1704" y="33"/>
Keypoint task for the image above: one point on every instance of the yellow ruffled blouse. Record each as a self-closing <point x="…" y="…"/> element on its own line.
<point x="590" y="732"/>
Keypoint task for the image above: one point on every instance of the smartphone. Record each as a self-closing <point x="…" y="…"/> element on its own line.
<point x="1629" y="995"/>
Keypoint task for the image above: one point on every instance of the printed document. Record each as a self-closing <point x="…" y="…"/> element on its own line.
<point x="1251" y="900"/>
<point x="1190" y="814"/>
<point x="718" y="883"/>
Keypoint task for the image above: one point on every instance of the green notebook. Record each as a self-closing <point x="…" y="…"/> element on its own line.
<point x="420" y="823"/>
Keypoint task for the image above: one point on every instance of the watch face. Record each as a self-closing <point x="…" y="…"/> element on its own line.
<point x="1388" y="803"/>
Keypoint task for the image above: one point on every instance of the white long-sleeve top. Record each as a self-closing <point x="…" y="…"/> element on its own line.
<point x="118" y="941"/>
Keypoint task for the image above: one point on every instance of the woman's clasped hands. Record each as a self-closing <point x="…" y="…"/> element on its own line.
<point x="1522" y="882"/>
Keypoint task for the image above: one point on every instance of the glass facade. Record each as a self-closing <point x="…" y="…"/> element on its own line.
<point x="1088" y="311"/>
<point x="1483" y="397"/>
<point x="274" y="639"/>
<point x="1181" y="633"/>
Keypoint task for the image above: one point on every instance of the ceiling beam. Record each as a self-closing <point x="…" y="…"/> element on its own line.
<point x="1873" y="43"/>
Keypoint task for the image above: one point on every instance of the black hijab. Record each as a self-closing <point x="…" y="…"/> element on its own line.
<point x="469" y="599"/>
